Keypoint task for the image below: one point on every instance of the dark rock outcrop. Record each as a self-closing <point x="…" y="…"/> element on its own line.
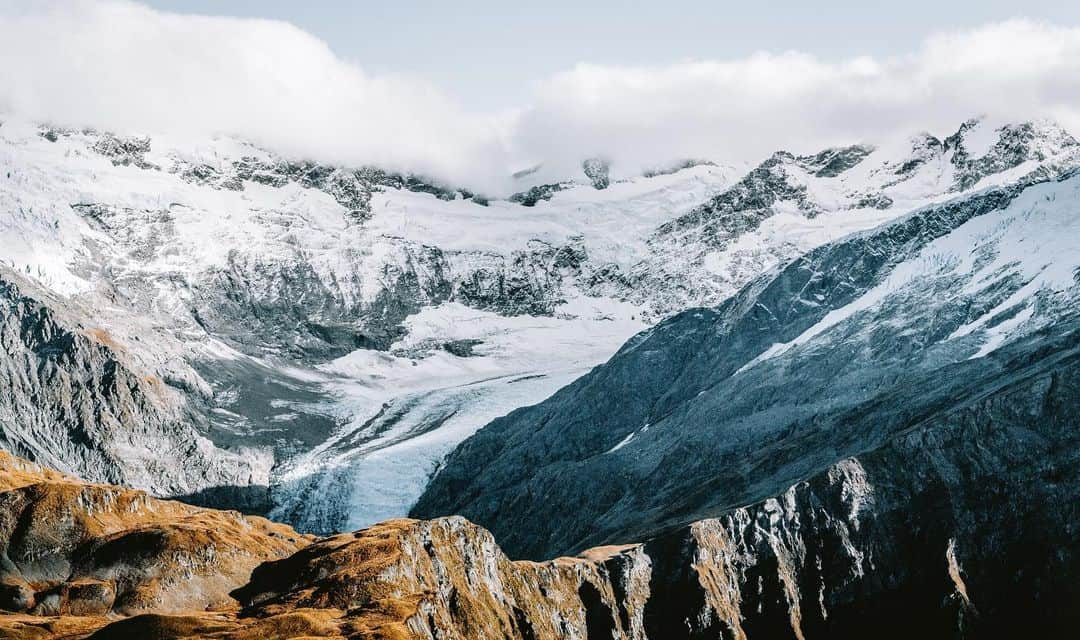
<point x="832" y="162"/>
<point x="744" y="206"/>
<point x="598" y="172"/>
<point x="535" y="194"/>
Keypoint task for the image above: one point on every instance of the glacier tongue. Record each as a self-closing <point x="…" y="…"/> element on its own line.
<point x="405" y="410"/>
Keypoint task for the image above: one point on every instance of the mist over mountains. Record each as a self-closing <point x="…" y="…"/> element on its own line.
<point x="282" y="88"/>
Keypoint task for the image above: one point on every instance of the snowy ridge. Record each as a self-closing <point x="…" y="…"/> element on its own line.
<point x="1015" y="269"/>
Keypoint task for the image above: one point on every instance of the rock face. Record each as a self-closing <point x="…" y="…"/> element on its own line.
<point x="598" y="172"/>
<point x="440" y="578"/>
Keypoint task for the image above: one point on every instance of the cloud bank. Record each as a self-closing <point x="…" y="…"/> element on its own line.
<point x="122" y="66"/>
<point x="748" y="108"/>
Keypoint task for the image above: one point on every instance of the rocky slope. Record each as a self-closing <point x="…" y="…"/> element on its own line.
<point x="76" y="399"/>
<point x="78" y="549"/>
<point x="976" y="544"/>
<point x="333" y="332"/>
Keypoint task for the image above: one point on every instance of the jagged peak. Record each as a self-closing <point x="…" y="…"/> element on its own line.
<point x="833" y="161"/>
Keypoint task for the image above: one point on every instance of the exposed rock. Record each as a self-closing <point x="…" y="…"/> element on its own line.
<point x="744" y="206"/>
<point x="874" y="201"/>
<point x="537" y="193"/>
<point x="124" y="151"/>
<point x="527" y="281"/>
<point x="462" y="348"/>
<point x="418" y="579"/>
<point x="924" y="148"/>
<point x="866" y="547"/>
<point x="597" y="171"/>
<point x="832" y="162"/>
<point x="74" y="399"/>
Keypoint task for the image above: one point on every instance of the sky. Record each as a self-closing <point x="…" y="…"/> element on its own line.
<point x="468" y="92"/>
<point x="489" y="53"/>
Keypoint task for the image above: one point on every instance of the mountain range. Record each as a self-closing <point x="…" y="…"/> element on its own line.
<point x="801" y="398"/>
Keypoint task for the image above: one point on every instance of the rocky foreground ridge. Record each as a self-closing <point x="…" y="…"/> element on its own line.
<point x="830" y="557"/>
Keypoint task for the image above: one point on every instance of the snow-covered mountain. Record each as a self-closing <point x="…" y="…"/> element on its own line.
<point x="332" y="333"/>
<point x="846" y="350"/>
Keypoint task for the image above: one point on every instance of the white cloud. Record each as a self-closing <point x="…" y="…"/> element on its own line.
<point x="122" y="66"/>
<point x="745" y="109"/>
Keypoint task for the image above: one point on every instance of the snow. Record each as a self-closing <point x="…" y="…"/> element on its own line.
<point x="625" y="441"/>
<point x="520" y="361"/>
<point x="1000" y="334"/>
<point x="981" y="138"/>
<point x="1034" y="239"/>
<point x="162" y="235"/>
<point x="622" y="443"/>
<point x="616" y="220"/>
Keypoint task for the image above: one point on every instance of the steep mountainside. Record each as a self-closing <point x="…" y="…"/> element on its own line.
<point x="76" y="400"/>
<point x="321" y="337"/>
<point x="956" y="325"/>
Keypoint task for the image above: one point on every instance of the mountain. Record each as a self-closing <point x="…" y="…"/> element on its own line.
<point x="312" y="340"/>
<point x="76" y="399"/>
<point x="301" y="324"/>
<point x="843" y="405"/>
<point x="72" y="548"/>
<point x="930" y="363"/>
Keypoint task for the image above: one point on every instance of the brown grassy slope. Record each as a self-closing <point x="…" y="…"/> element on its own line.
<point x="87" y="549"/>
<point x="95" y="561"/>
